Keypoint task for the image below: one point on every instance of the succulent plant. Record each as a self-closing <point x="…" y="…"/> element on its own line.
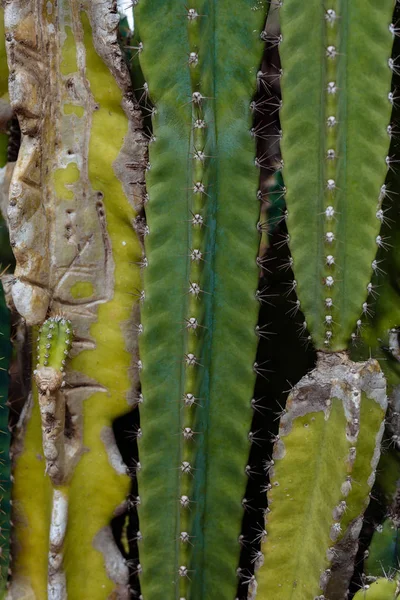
<point x="144" y="211"/>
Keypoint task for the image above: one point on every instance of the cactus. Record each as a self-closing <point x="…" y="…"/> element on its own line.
<point x="383" y="553"/>
<point x="342" y="217"/>
<point x="5" y="463"/>
<point x="54" y="341"/>
<point x="333" y="238"/>
<point x="324" y="463"/>
<point x="69" y="90"/>
<point x="198" y="345"/>
<point x="381" y="589"/>
<point x="147" y="234"/>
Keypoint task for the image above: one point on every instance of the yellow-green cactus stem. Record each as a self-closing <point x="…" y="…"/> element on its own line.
<point x="322" y="469"/>
<point x="71" y="211"/>
<point x="381" y="589"/>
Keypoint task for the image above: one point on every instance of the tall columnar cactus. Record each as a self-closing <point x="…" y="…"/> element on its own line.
<point x="71" y="213"/>
<point x="199" y="311"/>
<point x="102" y="228"/>
<point x="336" y="97"/>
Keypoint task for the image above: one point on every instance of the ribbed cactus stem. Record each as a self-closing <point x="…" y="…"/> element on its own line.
<point x="78" y="178"/>
<point x="5" y="438"/>
<point x="198" y="345"/>
<point x="335" y="99"/>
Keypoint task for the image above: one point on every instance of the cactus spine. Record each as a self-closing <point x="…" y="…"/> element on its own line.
<point x="198" y="344"/>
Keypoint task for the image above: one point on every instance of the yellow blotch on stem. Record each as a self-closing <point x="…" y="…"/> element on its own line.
<point x="31" y="488"/>
<point x="68" y="62"/>
<point x="73" y="109"/>
<point x="82" y="289"/>
<point x="63" y="178"/>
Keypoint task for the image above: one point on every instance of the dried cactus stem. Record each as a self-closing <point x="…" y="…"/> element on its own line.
<point x="59" y="519"/>
<point x="52" y="411"/>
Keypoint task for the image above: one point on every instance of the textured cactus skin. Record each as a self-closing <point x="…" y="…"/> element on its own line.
<point x="314" y="458"/>
<point x="363" y="111"/>
<point x="381" y="589"/>
<point x="53" y="346"/>
<point x="224" y="344"/>
<point x="80" y="260"/>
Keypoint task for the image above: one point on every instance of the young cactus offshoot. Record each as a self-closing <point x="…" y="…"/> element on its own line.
<point x="53" y="345"/>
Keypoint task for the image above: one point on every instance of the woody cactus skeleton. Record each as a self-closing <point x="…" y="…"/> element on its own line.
<point x="184" y="248"/>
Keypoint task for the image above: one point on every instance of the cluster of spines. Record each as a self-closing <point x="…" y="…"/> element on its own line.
<point x="54" y="343"/>
<point x="330" y="268"/>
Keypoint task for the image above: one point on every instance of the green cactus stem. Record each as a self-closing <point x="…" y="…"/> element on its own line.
<point x="198" y="345"/>
<point x="336" y="96"/>
<point x="322" y="470"/>
<point x="381" y="589"/>
<point x="335" y="99"/>
<point x="383" y="552"/>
